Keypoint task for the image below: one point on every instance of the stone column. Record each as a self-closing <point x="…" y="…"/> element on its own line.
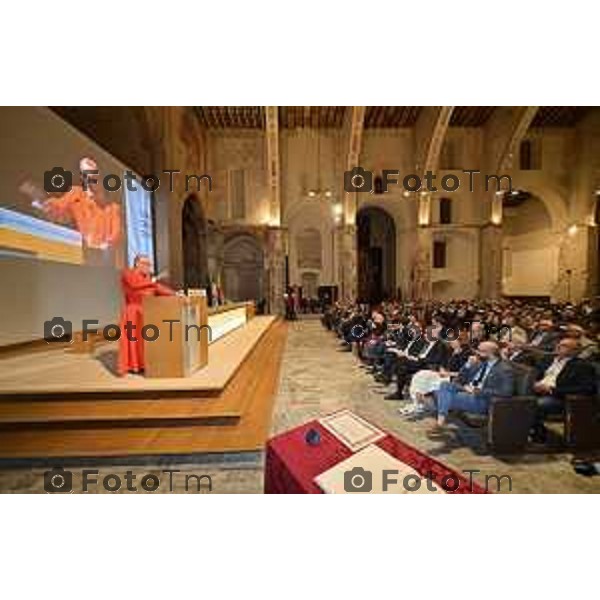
<point x="490" y="261"/>
<point x="421" y="272"/>
<point x="347" y="262"/>
<point x="421" y="269"/>
<point x="574" y="275"/>
<point x="490" y="258"/>
<point x="276" y="251"/>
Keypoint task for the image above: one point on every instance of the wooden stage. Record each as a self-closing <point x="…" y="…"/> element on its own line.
<point x="60" y="404"/>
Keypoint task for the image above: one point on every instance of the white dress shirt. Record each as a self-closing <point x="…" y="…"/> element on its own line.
<point x="553" y="371"/>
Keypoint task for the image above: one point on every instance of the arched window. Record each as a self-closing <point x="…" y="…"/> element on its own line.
<point x="308" y="246"/>
<point x="530" y="156"/>
<point x="445" y="211"/>
<point x="439" y="254"/>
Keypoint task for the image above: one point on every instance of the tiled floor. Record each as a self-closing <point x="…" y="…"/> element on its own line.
<point x="317" y="379"/>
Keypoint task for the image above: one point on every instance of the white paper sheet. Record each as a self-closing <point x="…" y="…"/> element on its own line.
<point x="355" y="433"/>
<point x="375" y="461"/>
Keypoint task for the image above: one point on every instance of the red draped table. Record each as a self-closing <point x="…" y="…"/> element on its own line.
<point x="292" y="464"/>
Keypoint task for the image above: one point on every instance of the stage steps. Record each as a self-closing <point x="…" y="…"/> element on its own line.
<point x="236" y="419"/>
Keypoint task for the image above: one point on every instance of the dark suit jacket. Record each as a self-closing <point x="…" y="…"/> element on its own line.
<point x="524" y="357"/>
<point x="438" y="355"/>
<point x="500" y="380"/>
<point x="578" y="377"/>
<point x="417" y="347"/>
<point x="456" y="361"/>
<point x="548" y="341"/>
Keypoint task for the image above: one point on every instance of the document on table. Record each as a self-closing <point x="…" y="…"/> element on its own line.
<point x="355" y="433"/>
<point x="363" y="472"/>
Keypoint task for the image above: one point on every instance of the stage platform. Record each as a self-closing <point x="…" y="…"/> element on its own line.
<point x="62" y="404"/>
<point x="61" y="372"/>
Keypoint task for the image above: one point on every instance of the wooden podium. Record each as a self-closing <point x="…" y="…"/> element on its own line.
<point x="182" y="345"/>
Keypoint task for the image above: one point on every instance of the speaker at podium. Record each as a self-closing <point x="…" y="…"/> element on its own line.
<point x="181" y="347"/>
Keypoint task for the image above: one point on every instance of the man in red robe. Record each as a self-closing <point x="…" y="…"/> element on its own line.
<point x="98" y="221"/>
<point x="136" y="283"/>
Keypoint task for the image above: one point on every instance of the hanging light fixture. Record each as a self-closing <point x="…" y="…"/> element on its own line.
<point x="320" y="191"/>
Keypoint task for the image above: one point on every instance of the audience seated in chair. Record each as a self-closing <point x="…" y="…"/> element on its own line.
<point x="427" y="381"/>
<point x="559" y="376"/>
<point x="487" y="376"/>
<point x="394" y="341"/>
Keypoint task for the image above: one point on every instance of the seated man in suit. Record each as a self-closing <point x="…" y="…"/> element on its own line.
<point x="515" y="351"/>
<point x="352" y="328"/>
<point x="489" y="376"/>
<point x="588" y="348"/>
<point x="433" y="354"/>
<point x="373" y="342"/>
<point x="544" y="337"/>
<point x="407" y="341"/>
<point x="564" y="375"/>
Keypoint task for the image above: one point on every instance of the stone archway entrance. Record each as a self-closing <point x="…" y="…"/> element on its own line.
<point x="243" y="268"/>
<point x="194" y="242"/>
<point x="530" y="255"/>
<point x="376" y="247"/>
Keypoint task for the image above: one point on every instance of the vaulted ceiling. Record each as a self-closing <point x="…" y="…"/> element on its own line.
<point x="231" y="117"/>
<point x="291" y="117"/>
<point x="559" y="116"/>
<point x="391" y="116"/>
<point x="470" y="116"/>
<point x="333" y="117"/>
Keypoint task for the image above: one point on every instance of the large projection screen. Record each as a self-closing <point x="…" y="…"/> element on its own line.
<point x="61" y="252"/>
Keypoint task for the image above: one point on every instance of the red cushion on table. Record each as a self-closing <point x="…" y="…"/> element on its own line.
<point x="292" y="464"/>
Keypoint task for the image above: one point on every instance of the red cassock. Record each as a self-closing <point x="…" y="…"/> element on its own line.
<point x="135" y="286"/>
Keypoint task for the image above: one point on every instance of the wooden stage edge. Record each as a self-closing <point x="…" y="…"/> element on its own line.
<point x="236" y="420"/>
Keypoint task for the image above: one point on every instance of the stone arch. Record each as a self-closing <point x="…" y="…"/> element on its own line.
<point x="316" y="216"/>
<point x="376" y="249"/>
<point x="530" y="255"/>
<point x="309" y="280"/>
<point x="194" y="244"/>
<point x="243" y="268"/>
<point x="554" y="202"/>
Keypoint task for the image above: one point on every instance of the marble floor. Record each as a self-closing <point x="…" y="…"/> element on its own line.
<point x="316" y="379"/>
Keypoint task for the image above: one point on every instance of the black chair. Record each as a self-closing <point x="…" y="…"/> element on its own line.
<point x="510" y="419"/>
<point x="582" y="420"/>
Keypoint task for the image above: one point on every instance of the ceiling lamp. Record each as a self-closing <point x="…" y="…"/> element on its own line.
<point x="319" y="192"/>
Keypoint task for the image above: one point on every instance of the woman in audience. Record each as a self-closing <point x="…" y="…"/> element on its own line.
<point x="427" y="381"/>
